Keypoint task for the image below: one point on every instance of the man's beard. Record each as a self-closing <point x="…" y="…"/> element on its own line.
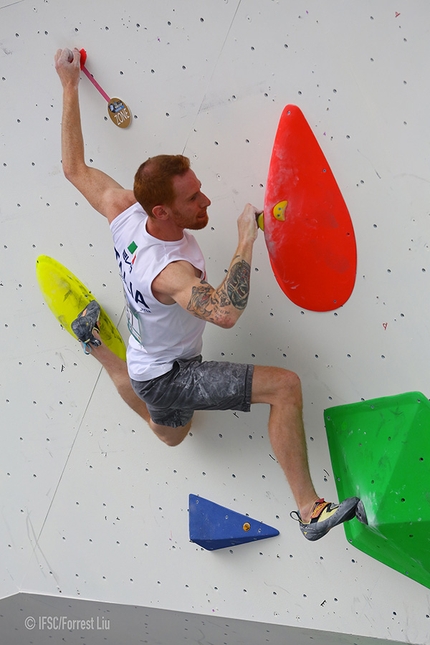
<point x="195" y="224"/>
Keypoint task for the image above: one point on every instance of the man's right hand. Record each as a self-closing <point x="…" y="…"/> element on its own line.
<point x="68" y="66"/>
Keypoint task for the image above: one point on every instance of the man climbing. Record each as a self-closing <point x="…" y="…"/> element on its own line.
<point x="169" y="302"/>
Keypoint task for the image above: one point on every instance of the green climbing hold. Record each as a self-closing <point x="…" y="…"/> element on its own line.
<point x="380" y="452"/>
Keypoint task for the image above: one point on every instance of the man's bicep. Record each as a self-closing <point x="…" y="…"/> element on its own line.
<point x="177" y="283"/>
<point x="195" y="295"/>
<point x="201" y="300"/>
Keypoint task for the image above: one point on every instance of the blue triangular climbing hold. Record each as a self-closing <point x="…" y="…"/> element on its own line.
<point x="216" y="527"/>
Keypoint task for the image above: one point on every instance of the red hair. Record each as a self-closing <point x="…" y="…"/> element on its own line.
<point x="153" y="182"/>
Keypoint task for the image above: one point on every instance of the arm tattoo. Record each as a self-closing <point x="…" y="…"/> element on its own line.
<point x="237" y="284"/>
<point x="201" y="303"/>
<point x="204" y="301"/>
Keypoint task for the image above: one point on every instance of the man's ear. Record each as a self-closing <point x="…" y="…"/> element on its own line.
<point x="159" y="212"/>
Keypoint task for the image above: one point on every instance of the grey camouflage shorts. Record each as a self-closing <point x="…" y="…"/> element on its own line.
<point x="192" y="385"/>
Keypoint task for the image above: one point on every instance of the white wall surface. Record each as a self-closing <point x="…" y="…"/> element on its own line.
<point x="93" y="507"/>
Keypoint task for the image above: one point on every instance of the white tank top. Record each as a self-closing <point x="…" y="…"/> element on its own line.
<point x="159" y="333"/>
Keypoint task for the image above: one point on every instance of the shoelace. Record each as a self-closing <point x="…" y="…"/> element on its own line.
<point x="316" y="511"/>
<point x="86" y="346"/>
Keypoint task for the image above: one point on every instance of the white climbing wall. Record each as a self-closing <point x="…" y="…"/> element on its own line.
<point x="94" y="521"/>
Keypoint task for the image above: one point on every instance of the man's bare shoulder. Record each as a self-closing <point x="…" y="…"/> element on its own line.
<point x="116" y="201"/>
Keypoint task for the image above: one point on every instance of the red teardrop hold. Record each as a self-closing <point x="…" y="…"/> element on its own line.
<point x="311" y="240"/>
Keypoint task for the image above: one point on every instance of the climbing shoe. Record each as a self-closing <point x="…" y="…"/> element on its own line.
<point x="326" y="515"/>
<point x="84" y="325"/>
<point x="360" y="513"/>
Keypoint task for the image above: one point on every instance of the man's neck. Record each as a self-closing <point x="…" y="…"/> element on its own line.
<point x="164" y="230"/>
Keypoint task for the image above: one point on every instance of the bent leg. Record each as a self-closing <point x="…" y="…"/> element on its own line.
<point x="117" y="370"/>
<point x="170" y="436"/>
<point x="281" y="389"/>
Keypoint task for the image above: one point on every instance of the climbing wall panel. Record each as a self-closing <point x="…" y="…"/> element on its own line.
<point x="94" y="508"/>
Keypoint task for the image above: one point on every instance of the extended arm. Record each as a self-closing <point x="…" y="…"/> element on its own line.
<point x="224" y="305"/>
<point x="103" y="193"/>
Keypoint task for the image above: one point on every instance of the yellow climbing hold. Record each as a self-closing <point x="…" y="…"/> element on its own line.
<point x="279" y="211"/>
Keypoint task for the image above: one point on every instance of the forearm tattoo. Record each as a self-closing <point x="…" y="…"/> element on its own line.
<point x="205" y="302"/>
<point x="237" y="284"/>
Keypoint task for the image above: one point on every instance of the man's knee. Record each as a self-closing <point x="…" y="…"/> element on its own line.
<point x="172" y="437"/>
<point x="290" y="387"/>
<point x="276" y="385"/>
<point x="172" y="441"/>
